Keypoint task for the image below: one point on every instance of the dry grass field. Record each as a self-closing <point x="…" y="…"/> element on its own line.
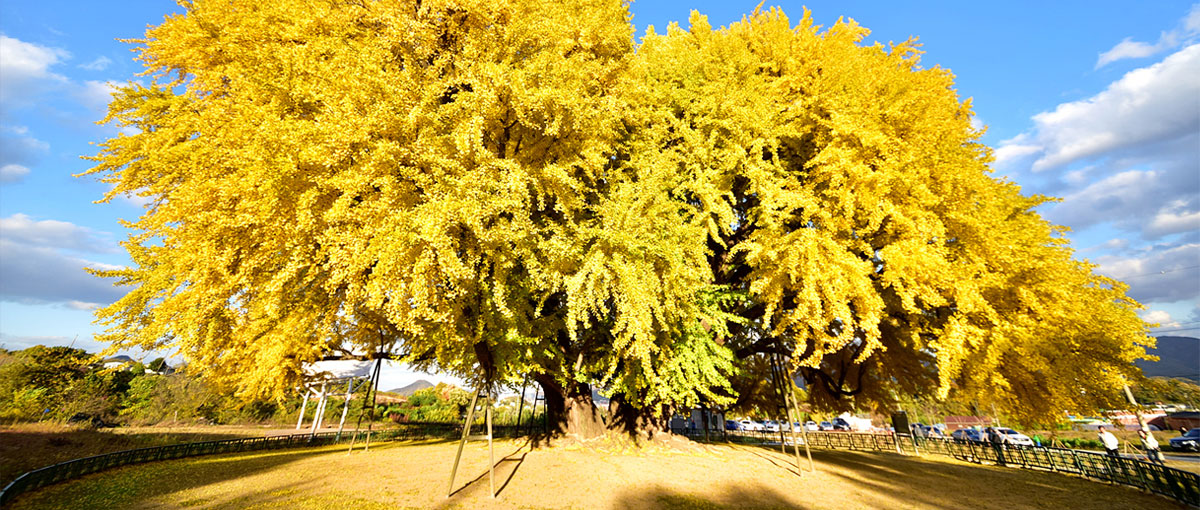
<point x="415" y="475"/>
<point x="26" y="447"/>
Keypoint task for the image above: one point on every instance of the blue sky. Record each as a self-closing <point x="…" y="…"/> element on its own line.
<point x="1094" y="102"/>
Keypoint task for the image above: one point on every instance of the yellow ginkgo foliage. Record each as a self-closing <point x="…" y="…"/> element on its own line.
<point x="849" y="202"/>
<point x="509" y="188"/>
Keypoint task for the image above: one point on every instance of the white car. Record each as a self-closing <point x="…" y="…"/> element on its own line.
<point x="749" y="425"/>
<point x="770" y="425"/>
<point x="1015" y="437"/>
<point x="812" y="426"/>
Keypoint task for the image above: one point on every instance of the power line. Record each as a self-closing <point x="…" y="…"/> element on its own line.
<point x="1194" y="328"/>
<point x="1177" y="324"/>
<point x="1157" y="273"/>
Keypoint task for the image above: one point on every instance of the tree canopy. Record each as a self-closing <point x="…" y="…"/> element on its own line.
<point x="505" y="188"/>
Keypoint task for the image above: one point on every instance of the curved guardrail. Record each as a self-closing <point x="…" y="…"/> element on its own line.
<point x="1180" y="485"/>
<point x="75" y="468"/>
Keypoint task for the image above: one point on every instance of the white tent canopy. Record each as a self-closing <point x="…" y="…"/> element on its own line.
<point x="337" y="370"/>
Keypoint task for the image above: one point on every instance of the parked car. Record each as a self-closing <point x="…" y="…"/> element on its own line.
<point x="770" y="425"/>
<point x="812" y="426"/>
<point x="1189" y="442"/>
<point x="840" y="424"/>
<point x="749" y="425"/>
<point x="974" y="435"/>
<point x="731" y="425"/>
<point x="922" y="430"/>
<point x="1014" y="437"/>
<point x="825" y="426"/>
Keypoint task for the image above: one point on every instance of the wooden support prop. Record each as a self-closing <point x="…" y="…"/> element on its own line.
<point x="786" y="384"/>
<point x="463" y="442"/>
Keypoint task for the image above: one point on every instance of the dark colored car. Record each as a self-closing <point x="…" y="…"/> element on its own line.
<point x="840" y="424"/>
<point x="1189" y="442"/>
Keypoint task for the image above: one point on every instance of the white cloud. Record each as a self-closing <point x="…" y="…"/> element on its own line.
<point x="1156" y="103"/>
<point x="12" y="173"/>
<point x="1174" y="218"/>
<point x="39" y="274"/>
<point x="1126" y="156"/>
<point x="1151" y="203"/>
<point x="1015" y="149"/>
<point x="18" y="152"/>
<point x="52" y="234"/>
<point x="96" y="94"/>
<point x="26" y="70"/>
<point x="80" y="305"/>
<point x="1128" y="48"/>
<point x="1157" y="275"/>
<point x="35" y="267"/>
<point x="21" y="149"/>
<point x="99" y="64"/>
<point x="1162" y="318"/>
<point x="18" y="342"/>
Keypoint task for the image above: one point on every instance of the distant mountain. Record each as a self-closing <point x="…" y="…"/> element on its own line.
<point x="1178" y="356"/>
<point x="407" y="391"/>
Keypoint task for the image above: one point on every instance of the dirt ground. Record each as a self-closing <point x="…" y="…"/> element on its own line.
<point x="416" y="475"/>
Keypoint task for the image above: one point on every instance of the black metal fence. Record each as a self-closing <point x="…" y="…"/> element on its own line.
<point x="1180" y="485"/>
<point x="78" y="467"/>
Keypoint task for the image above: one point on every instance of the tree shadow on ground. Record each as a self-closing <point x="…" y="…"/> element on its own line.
<point x="921" y="482"/>
<point x="757" y="496"/>
<point x="507" y="464"/>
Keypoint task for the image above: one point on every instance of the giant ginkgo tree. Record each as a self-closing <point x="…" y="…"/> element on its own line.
<point x="504" y="189"/>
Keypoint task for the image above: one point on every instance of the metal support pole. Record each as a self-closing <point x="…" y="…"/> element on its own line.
<point x="374" y="399"/>
<point x="537" y="391"/>
<point x="303" y="408"/>
<point x="463" y="442"/>
<point x="345" y="407"/>
<point x="491" y="449"/>
<point x="324" y="406"/>
<point x="521" y="405"/>
<point x="361" y="412"/>
<point x="317" y="412"/>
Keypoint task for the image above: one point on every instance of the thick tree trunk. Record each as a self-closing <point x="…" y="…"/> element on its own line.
<point x="570" y="409"/>
<point x="641" y="424"/>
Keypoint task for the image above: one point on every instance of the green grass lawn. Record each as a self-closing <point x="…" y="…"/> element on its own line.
<point x="415" y="475"/>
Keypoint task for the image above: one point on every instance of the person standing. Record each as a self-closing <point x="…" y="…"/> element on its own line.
<point x="1112" y="445"/>
<point x="997" y="439"/>
<point x="1150" y="444"/>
